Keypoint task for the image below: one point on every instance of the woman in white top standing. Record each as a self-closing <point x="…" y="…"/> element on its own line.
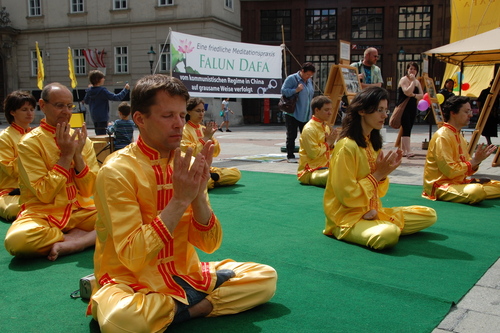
<point x="409" y="87"/>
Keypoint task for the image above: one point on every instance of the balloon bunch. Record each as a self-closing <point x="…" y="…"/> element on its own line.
<point x="424" y="103"/>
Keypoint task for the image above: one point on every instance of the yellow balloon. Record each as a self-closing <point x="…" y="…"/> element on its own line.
<point x="440" y="98"/>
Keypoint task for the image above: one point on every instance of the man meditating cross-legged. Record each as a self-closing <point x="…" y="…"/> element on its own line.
<point x="154" y="214"/>
<point x="57" y="171"/>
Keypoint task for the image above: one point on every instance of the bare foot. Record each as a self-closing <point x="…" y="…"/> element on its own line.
<point x="76" y="240"/>
<point x="370" y="215"/>
<point x="201" y="309"/>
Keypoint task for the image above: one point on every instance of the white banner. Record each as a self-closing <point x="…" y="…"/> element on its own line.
<point x="218" y="68"/>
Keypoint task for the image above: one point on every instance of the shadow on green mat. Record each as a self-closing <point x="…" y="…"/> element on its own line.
<point x="245" y="322"/>
<point x="82" y="259"/>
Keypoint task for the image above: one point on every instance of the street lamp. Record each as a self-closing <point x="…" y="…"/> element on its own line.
<point x="401" y="58"/>
<point x="151" y="54"/>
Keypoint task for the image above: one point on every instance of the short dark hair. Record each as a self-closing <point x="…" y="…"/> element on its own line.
<point x="194" y="102"/>
<point x="143" y="95"/>
<point x="95" y="76"/>
<point x="412" y="64"/>
<point x="308" y="67"/>
<point x="124" y="109"/>
<point x="15" y="100"/>
<point x="318" y="102"/>
<point x="367" y="100"/>
<point x="453" y="104"/>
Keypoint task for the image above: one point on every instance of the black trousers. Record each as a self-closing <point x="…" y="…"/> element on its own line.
<point x="100" y="127"/>
<point x="292" y="125"/>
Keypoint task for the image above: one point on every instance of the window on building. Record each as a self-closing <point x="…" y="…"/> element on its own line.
<point x="271" y="22"/>
<point x="35" y="7"/>
<point x="415" y="22"/>
<point x="76" y="6"/>
<point x="120" y="4"/>
<point x="228" y="4"/>
<point x="321" y="24"/>
<point x="79" y="62"/>
<point x="34" y="62"/>
<point x="367" y="23"/>
<point x="164" y="58"/>
<point x="165" y="2"/>
<point x="322" y="63"/>
<point x="121" y="59"/>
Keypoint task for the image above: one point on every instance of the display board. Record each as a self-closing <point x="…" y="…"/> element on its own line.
<point x="483" y="116"/>
<point x="430" y="88"/>
<point x="342" y="81"/>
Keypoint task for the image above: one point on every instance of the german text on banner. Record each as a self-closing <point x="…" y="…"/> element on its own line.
<point x="217" y="68"/>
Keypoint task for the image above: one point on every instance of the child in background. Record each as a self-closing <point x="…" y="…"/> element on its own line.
<point x="122" y="128"/>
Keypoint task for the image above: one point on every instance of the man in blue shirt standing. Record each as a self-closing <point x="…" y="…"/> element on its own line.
<point x="299" y="83"/>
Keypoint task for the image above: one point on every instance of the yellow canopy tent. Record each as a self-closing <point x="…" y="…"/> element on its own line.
<point x="482" y="49"/>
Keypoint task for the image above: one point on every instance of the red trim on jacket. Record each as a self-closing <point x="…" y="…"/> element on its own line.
<point x="20" y="129"/>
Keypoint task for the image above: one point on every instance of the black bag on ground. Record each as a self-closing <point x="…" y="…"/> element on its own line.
<point x="287" y="104"/>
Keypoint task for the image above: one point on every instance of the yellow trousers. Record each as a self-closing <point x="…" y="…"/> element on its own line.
<point x="118" y="308"/>
<point x="34" y="236"/>
<point x="469" y="193"/>
<point x="380" y="234"/>
<point x="316" y="178"/>
<point x="227" y="177"/>
<point x="9" y="207"/>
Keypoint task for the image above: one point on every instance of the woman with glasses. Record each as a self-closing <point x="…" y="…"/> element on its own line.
<point x="195" y="135"/>
<point x="409" y="88"/>
<point x="358" y="179"/>
<point x="19" y="108"/>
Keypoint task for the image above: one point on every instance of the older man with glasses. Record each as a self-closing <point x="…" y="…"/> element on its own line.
<point x="57" y="171"/>
<point x="369" y="73"/>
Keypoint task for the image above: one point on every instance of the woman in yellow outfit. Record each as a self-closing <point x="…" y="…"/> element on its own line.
<point x="195" y="135"/>
<point x="19" y="108"/>
<point x="358" y="179"/>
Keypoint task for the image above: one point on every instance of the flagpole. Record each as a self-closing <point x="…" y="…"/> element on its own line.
<point x="283" y="46"/>
<point x="163" y="48"/>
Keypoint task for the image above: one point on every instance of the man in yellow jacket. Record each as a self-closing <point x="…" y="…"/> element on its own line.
<point x="153" y="212"/>
<point x="57" y="171"/>
<point x="448" y="165"/>
<point x="316" y="144"/>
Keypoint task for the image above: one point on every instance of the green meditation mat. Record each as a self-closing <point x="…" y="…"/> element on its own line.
<point x="324" y="285"/>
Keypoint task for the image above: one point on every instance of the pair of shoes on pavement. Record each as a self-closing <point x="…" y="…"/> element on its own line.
<point x="292" y="160"/>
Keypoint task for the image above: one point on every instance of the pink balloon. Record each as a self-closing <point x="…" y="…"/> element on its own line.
<point x="465" y="86"/>
<point x="423" y="105"/>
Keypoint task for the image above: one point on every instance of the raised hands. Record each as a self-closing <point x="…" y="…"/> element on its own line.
<point x="331" y="137"/>
<point x="209" y="130"/>
<point x="482" y="152"/>
<point x="387" y="163"/>
<point x="71" y="145"/>
<point x="190" y="180"/>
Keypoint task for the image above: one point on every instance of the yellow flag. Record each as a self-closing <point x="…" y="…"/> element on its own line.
<point x="71" y="68"/>
<point x="40" y="74"/>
